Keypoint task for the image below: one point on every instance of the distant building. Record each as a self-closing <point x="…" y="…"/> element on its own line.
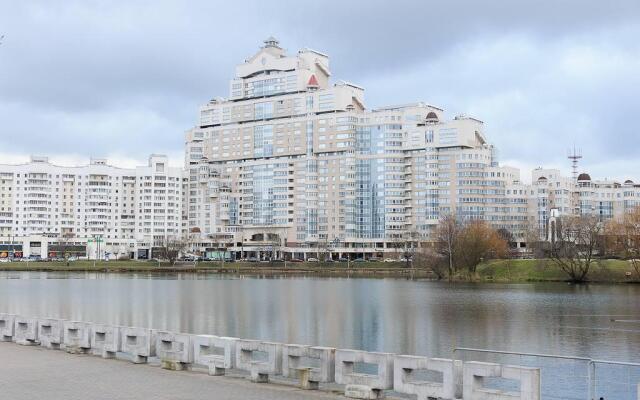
<point x="96" y="210"/>
<point x="292" y="165"/>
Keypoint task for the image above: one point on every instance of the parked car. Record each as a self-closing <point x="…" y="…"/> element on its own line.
<point x="343" y="259"/>
<point x="359" y="260"/>
<point x="312" y="259"/>
<point x="374" y="259"/>
<point x="252" y="259"/>
<point x="296" y="260"/>
<point x="389" y="260"/>
<point x="4" y="260"/>
<point x="72" y="258"/>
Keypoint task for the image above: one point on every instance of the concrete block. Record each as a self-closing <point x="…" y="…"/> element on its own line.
<point x="405" y="367"/>
<point x="259" y="369"/>
<point x="76" y="337"/>
<point x="138" y="344"/>
<point x="105" y="340"/>
<point x="7" y="322"/>
<point x="50" y="332"/>
<point x="25" y="331"/>
<point x="309" y="376"/>
<point x="376" y="384"/>
<point x="363" y="392"/>
<point x="529" y="380"/>
<point x="174" y="350"/>
<point x="203" y="353"/>
<point x="476" y="372"/>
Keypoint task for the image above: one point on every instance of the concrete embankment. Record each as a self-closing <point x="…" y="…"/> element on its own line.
<point x="28" y="373"/>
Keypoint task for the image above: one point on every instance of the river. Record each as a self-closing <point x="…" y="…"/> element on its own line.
<point x="391" y="315"/>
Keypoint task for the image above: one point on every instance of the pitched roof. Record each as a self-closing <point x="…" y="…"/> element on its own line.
<point x="313" y="82"/>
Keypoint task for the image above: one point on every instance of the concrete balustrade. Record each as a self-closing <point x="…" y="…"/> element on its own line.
<point x="476" y="372"/>
<point x="204" y="347"/>
<point x="312" y="365"/>
<point x="174" y="350"/>
<point x="310" y="376"/>
<point x="7" y="322"/>
<point x="404" y="377"/>
<point x="76" y="337"/>
<point x="259" y="369"/>
<point x="25" y="331"/>
<point x="105" y="340"/>
<point x="50" y="332"/>
<point x="138" y="344"/>
<point x="362" y="385"/>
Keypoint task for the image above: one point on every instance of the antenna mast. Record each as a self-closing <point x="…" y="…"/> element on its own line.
<point x="574" y="155"/>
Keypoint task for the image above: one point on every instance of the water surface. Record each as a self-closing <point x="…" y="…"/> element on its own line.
<point x="393" y="315"/>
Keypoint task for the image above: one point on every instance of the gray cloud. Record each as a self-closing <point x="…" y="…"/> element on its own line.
<point x="95" y="77"/>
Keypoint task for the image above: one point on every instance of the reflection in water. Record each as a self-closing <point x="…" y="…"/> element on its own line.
<point x="400" y="316"/>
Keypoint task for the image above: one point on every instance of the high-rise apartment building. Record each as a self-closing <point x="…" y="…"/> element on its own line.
<point x="292" y="163"/>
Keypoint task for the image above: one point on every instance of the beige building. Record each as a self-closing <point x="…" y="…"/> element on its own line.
<point x="291" y="163"/>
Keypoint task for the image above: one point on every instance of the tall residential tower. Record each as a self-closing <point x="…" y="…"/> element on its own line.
<point x="292" y="161"/>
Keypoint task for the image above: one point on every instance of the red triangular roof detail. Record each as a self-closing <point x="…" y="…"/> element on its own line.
<point x="313" y="81"/>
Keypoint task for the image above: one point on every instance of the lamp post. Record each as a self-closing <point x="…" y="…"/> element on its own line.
<point x="97" y="239"/>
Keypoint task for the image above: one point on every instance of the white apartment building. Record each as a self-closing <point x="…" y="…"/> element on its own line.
<point x="94" y="211"/>
<point x="291" y="163"/>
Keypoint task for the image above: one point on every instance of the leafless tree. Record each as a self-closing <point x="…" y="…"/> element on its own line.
<point x="446" y="238"/>
<point x="428" y="259"/>
<point x="535" y="246"/>
<point x="409" y="245"/>
<point x="622" y="238"/>
<point x="324" y="249"/>
<point x="171" y="248"/>
<point x="575" y="244"/>
<point x="63" y="243"/>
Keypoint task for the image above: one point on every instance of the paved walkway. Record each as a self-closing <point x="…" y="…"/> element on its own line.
<point x="36" y="373"/>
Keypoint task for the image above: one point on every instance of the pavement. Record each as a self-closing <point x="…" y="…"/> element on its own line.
<point x="31" y="372"/>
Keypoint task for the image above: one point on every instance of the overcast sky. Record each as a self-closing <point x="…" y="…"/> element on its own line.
<point x="124" y="79"/>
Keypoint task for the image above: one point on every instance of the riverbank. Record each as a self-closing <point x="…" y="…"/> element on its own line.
<point x="361" y="269"/>
<point x="512" y="271"/>
<point x="503" y="271"/>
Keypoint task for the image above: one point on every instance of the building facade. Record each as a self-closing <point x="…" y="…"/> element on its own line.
<point x="293" y="165"/>
<point x="290" y="163"/>
<point x="93" y="211"/>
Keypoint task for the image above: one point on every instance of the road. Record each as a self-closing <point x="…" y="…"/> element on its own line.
<point x="36" y="373"/>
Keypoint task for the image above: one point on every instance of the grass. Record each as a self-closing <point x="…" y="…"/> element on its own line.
<point x="607" y="271"/>
<point x="545" y="270"/>
<point x="397" y="268"/>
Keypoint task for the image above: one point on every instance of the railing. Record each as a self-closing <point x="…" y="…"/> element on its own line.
<point x="619" y="381"/>
<point x="534" y="376"/>
<point x="573" y="377"/>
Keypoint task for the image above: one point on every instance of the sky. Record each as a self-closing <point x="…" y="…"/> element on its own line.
<point x="123" y="79"/>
